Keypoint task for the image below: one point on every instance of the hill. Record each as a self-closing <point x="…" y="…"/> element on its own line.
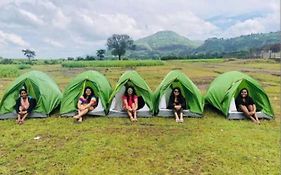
<point x="238" y="44"/>
<point x="163" y="43"/>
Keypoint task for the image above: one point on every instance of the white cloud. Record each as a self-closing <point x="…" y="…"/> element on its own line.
<point x="243" y="28"/>
<point x="60" y="20"/>
<point x="58" y="28"/>
<point x="53" y="42"/>
<point x="9" y="38"/>
<point x="185" y="23"/>
<point x="30" y="17"/>
<point x="268" y="23"/>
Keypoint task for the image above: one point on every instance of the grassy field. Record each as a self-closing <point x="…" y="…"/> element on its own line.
<point x="102" y="145"/>
<point x="124" y="63"/>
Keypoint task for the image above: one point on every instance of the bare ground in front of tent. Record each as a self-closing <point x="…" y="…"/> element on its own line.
<point x="209" y="145"/>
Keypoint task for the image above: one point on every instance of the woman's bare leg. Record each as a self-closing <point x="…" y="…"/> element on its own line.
<point x="19" y="119"/>
<point x="247" y="113"/>
<point x="80" y="115"/>
<point x="181" y="116"/>
<point x="134" y="111"/>
<point x="23" y="118"/>
<point x="176" y="114"/>
<point x="130" y="115"/>
<point x="251" y="109"/>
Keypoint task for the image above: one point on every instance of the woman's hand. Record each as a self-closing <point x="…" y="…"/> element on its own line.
<point x="178" y="107"/>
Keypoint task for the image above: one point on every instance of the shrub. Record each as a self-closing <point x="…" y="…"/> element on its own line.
<point x="131" y="63"/>
<point x="8" y="71"/>
<point x="6" y="61"/>
<point x="24" y="66"/>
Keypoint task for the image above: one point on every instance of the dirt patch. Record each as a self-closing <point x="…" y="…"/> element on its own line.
<point x="272" y="72"/>
<point x="204" y="82"/>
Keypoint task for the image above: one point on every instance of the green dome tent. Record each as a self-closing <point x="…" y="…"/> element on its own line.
<point x="225" y="88"/>
<point x="194" y="99"/>
<point x="40" y="86"/>
<point x="131" y="78"/>
<point x="100" y="85"/>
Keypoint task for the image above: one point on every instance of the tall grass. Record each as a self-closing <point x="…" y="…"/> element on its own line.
<point x="115" y="63"/>
<point x="24" y="66"/>
<point x="8" y="71"/>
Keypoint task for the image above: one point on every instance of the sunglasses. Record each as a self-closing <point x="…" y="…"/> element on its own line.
<point x="176" y="91"/>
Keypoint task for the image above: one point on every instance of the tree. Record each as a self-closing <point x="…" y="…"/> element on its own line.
<point x="28" y="53"/>
<point x="118" y="44"/>
<point x="100" y="53"/>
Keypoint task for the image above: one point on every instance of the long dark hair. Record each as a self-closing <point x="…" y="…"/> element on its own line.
<point x="239" y="95"/>
<point x="133" y="94"/>
<point x="22" y="91"/>
<point x="180" y="100"/>
<point x="88" y="98"/>
<point x="180" y="97"/>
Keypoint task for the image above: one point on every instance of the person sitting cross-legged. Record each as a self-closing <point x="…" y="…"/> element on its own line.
<point x="24" y="106"/>
<point x="244" y="103"/>
<point x="87" y="102"/>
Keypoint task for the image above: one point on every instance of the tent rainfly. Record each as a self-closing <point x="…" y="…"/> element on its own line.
<point x="194" y="99"/>
<point x="100" y="85"/>
<point x="38" y="85"/>
<point x="226" y="87"/>
<point x="144" y="93"/>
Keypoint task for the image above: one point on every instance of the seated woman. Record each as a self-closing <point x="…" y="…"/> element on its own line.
<point x="87" y="102"/>
<point x="130" y="103"/>
<point x="24" y="106"/>
<point x="244" y="103"/>
<point x="177" y="103"/>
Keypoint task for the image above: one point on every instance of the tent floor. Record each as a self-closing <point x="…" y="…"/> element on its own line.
<point x="240" y="115"/>
<point x="14" y="115"/>
<point x="114" y="113"/>
<point x="169" y="113"/>
<point x="93" y="113"/>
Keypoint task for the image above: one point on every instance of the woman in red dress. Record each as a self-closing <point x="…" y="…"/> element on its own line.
<point x="130" y="103"/>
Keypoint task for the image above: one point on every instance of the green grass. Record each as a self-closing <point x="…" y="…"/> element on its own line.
<point x="24" y="66"/>
<point x="125" y="63"/>
<point x="8" y="71"/>
<point x="209" y="145"/>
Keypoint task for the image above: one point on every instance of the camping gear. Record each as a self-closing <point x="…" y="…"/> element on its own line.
<point x="194" y="99"/>
<point x="99" y="84"/>
<point x="226" y="87"/>
<point x="144" y="93"/>
<point x="40" y="87"/>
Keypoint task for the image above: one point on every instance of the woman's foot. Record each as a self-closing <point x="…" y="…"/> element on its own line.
<point x="177" y="120"/>
<point x="132" y="119"/>
<point x="76" y="117"/>
<point x="80" y="119"/>
<point x="181" y="120"/>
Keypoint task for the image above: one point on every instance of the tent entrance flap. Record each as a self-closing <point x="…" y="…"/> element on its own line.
<point x="39" y="86"/>
<point x="234" y="114"/>
<point x="116" y="108"/>
<point x="99" y="109"/>
<point x="164" y="112"/>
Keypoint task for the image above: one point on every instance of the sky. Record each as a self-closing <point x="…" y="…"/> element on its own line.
<point x="71" y="28"/>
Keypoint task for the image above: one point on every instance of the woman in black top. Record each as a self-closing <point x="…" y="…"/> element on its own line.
<point x="246" y="104"/>
<point x="177" y="103"/>
<point x="24" y="106"/>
